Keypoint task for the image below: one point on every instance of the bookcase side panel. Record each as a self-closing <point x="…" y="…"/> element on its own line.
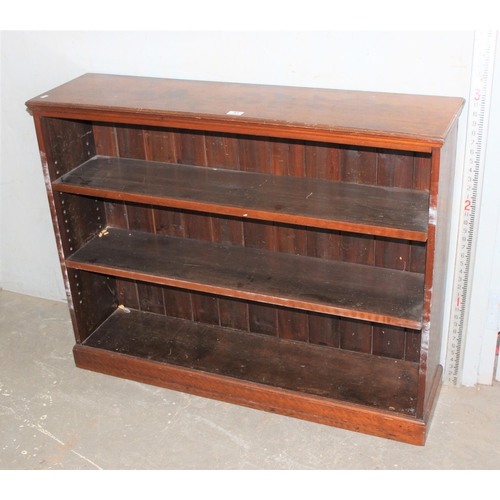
<point x="65" y="144"/>
<point x="441" y="260"/>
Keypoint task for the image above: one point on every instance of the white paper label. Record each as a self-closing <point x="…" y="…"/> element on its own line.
<point x="236" y="113"/>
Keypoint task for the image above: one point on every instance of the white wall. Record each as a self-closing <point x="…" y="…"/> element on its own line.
<point x="436" y="62"/>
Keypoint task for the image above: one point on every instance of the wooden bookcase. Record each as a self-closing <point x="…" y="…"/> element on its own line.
<point x="276" y="247"/>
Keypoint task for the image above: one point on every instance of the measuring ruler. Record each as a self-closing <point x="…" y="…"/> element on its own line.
<point x="477" y="124"/>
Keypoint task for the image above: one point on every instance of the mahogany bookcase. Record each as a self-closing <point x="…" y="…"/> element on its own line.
<point x="276" y="247"/>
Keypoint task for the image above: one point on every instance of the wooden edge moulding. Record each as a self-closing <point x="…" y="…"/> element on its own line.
<point x="279" y="248"/>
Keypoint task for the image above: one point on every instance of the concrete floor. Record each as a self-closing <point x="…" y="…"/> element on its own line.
<point x="56" y="416"/>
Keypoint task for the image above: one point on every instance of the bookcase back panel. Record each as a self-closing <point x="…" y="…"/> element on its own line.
<point x="73" y="142"/>
<point x="315" y="328"/>
<point x="272" y="156"/>
<point x="363" y="165"/>
<point x="278" y="157"/>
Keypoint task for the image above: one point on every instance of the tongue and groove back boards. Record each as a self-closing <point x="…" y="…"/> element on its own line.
<point x="306" y="240"/>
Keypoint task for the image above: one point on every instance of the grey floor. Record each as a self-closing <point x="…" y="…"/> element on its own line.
<point x="56" y="416"/>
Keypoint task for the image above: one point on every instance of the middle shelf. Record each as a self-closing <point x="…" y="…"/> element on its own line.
<point x="345" y="289"/>
<point x="344" y="206"/>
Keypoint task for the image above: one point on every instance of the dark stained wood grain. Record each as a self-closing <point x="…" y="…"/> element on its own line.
<point x="254" y="155"/>
<point x="394" y="169"/>
<point x="190" y="149"/>
<point x="311" y="202"/>
<point x="80" y="219"/>
<point x="222" y="151"/>
<point x="350" y="117"/>
<point x="70" y="143"/>
<point x="358" y="166"/>
<point x="324" y="330"/>
<point x="63" y="145"/>
<point x="131" y="143"/>
<point x="318" y="409"/>
<point x="412" y="345"/>
<point x="288" y="159"/>
<point x="95" y="297"/>
<point x="116" y="211"/>
<point x="389" y="342"/>
<point x="323" y="161"/>
<point x="352" y="290"/>
<point x="261" y="359"/>
<point x="106" y="144"/>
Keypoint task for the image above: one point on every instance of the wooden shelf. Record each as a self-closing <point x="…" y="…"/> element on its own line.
<point x="341" y="288"/>
<point x="261" y="359"/>
<point x="376" y="210"/>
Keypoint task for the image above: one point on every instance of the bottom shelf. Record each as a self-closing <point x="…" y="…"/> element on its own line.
<point x="344" y="389"/>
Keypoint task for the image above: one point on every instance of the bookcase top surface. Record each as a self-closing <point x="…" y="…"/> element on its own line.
<point x="405" y="117"/>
